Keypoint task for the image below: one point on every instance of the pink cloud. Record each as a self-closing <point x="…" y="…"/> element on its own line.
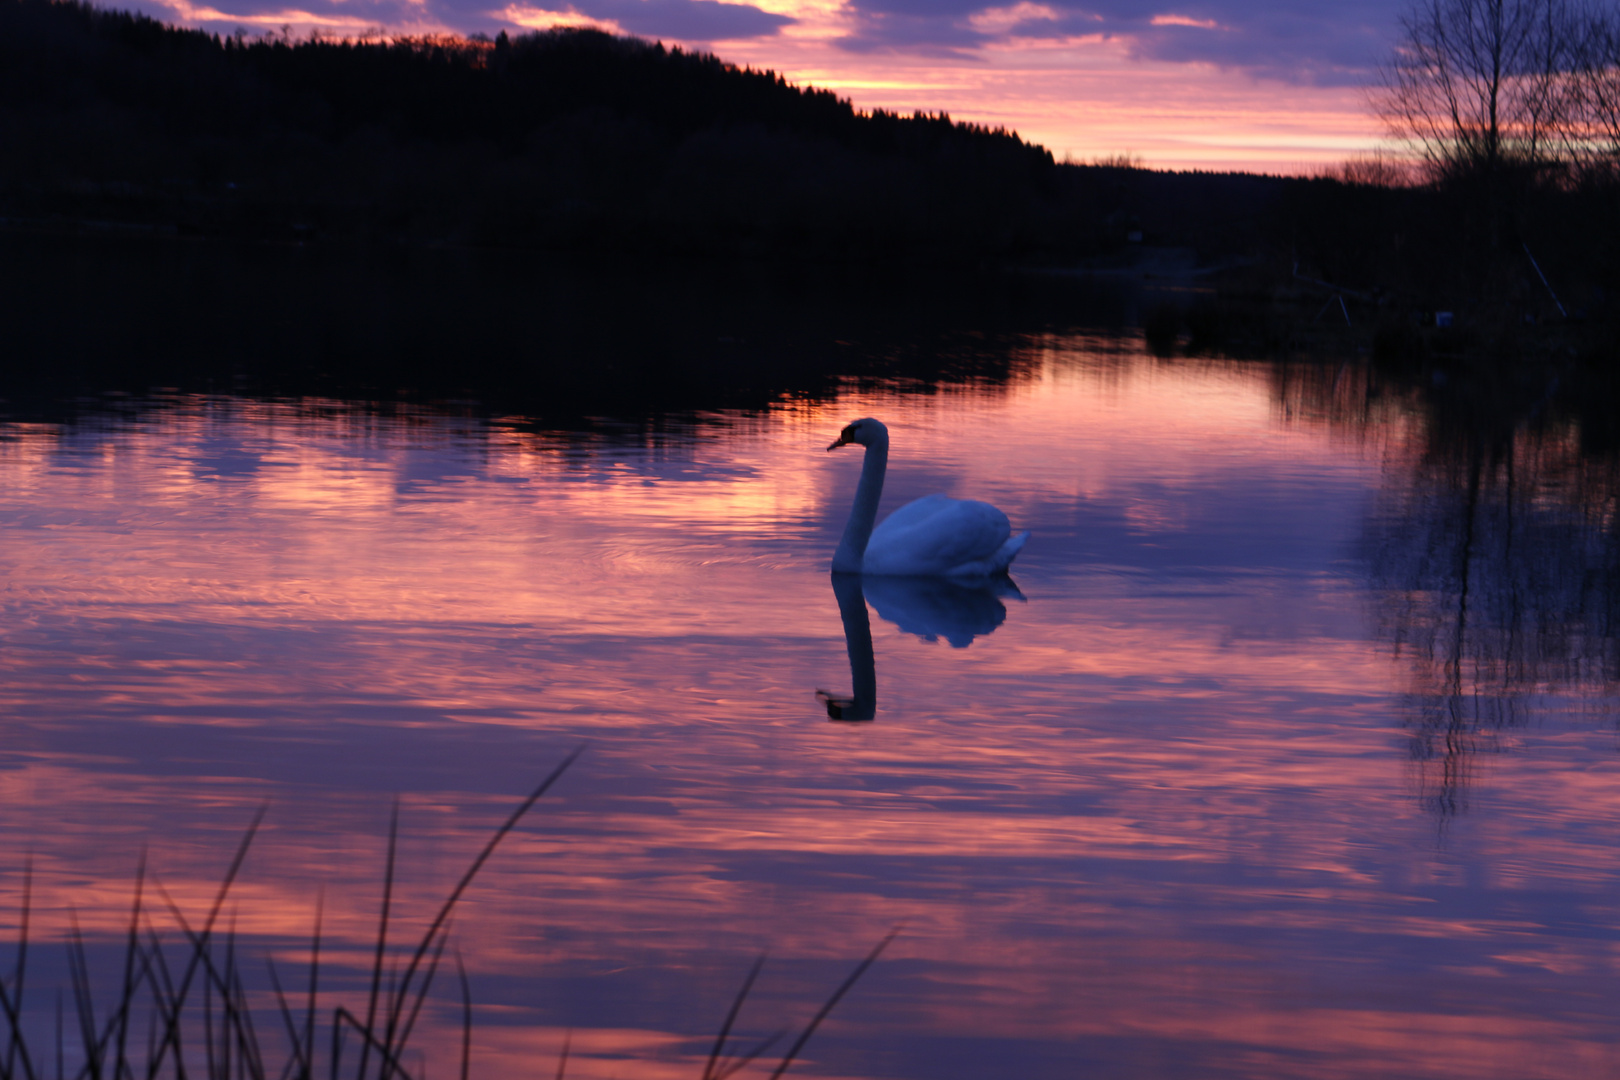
<point x="1183" y="20"/>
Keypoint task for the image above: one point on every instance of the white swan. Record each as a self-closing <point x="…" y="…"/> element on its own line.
<point x="934" y="536"/>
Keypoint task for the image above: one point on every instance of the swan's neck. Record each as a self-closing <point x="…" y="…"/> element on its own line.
<point x="852" y="548"/>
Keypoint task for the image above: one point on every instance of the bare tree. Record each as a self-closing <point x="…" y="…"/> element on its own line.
<point x="1478" y="86"/>
<point x="1597" y="93"/>
<point x="1545" y="84"/>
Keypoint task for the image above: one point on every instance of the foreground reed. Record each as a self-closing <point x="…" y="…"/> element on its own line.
<point x="200" y="1007"/>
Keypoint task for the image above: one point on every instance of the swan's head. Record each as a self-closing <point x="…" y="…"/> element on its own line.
<point x="866" y="432"/>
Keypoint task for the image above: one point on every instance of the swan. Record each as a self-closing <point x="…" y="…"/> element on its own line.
<point x="934" y="536"/>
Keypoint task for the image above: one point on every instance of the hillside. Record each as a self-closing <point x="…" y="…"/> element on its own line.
<point x="569" y="138"/>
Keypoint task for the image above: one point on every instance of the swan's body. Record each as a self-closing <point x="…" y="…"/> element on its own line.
<point x="931" y="537"/>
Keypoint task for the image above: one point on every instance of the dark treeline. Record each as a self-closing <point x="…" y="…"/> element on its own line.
<point x="1522" y="262"/>
<point x="568" y="138"/>
<point x="1461" y="243"/>
<point x="581" y="142"/>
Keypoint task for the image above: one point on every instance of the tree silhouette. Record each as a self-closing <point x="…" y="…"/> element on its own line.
<point x="1477" y="86"/>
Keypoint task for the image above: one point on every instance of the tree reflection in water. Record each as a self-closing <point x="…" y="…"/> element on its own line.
<point x="1491" y="553"/>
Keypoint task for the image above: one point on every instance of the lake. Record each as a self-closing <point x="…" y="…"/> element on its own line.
<point x="1288" y="751"/>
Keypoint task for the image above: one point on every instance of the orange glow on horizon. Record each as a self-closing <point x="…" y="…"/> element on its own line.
<point x="1084" y="99"/>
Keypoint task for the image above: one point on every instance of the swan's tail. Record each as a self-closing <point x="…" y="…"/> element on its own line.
<point x="994" y="563"/>
<point x="1007" y="552"/>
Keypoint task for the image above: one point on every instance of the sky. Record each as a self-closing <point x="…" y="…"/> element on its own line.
<point x="1208" y="84"/>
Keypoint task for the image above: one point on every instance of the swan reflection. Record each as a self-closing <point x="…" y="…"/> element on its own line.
<point x="934" y="608"/>
<point x="929" y="607"/>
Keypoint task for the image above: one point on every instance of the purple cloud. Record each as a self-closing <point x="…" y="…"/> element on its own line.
<point x="671" y="20"/>
<point x="1297" y="42"/>
<point x="685" y="20"/>
<point x="905" y="32"/>
<point x="1301" y="42"/>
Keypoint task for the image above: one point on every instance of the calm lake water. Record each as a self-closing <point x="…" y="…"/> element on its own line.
<point x="1295" y="757"/>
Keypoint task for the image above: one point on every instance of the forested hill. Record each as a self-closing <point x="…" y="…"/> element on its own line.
<point x="567" y="137"/>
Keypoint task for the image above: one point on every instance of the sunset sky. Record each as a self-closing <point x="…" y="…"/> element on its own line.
<point x="1203" y="84"/>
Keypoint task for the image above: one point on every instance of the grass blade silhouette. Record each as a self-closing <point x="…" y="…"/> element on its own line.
<point x="399" y="989"/>
<point x="132" y="945"/>
<point x="233" y="1017"/>
<point x="731" y="1018"/>
<point x="137" y="966"/>
<point x="227" y="1000"/>
<point x="314" y="978"/>
<point x="79" y="973"/>
<point x="736" y="1065"/>
<point x="421" y="996"/>
<point x="209" y="1049"/>
<point x="562" y="1061"/>
<point x="17" y="1047"/>
<point x="165" y="1000"/>
<point x="344" y="1015"/>
<point x="172" y="1035"/>
<point x="382" y="940"/>
<point x="466" y="1017"/>
<point x="507" y="826"/>
<point x="293" y="1035"/>
<point x="247" y="1038"/>
<point x="336" y="1056"/>
<point x="838" y="994"/>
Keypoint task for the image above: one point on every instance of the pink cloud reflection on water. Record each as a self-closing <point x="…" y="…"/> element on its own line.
<point x="1157" y="822"/>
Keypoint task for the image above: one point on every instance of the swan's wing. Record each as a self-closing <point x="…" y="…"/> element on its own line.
<point x="917" y="511"/>
<point x="935" y="535"/>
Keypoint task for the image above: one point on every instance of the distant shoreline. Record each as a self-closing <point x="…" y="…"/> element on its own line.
<point x="615" y="150"/>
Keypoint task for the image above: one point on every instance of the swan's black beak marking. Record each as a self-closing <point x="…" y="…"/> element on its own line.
<point x="845" y="437"/>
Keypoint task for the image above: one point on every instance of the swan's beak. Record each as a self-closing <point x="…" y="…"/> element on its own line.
<point x="843" y="440"/>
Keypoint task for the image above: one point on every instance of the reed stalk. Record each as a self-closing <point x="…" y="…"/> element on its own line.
<point x="201" y="1003"/>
